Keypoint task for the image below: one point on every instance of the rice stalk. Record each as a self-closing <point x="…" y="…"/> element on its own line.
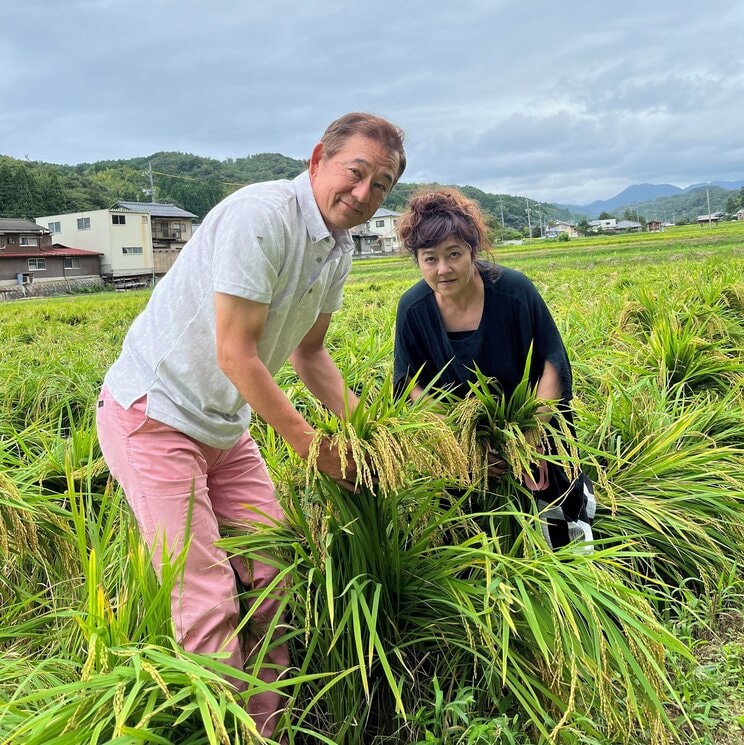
<point x="389" y="441"/>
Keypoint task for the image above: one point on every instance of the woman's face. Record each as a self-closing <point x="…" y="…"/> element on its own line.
<point x="448" y="268"/>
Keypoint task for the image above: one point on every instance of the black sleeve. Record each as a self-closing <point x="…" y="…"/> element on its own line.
<point x="406" y="356"/>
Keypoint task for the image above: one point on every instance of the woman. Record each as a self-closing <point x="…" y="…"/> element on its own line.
<point x="467" y="313"/>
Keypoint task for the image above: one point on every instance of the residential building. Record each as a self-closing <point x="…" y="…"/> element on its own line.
<point x="606" y="224"/>
<point x="365" y="243"/>
<point x="554" y="229"/>
<point x="715" y="217"/>
<point x="628" y="226"/>
<point x="378" y="234"/>
<point x="170" y="226"/>
<point x="139" y="241"/>
<point x="123" y="237"/>
<point x="28" y="257"/>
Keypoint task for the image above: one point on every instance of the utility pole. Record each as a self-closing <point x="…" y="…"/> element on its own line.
<point x="501" y="202"/>
<point x="529" y="220"/>
<point x="152" y="182"/>
<point x="707" y="196"/>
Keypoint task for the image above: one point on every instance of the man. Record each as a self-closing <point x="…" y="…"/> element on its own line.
<point x="255" y="286"/>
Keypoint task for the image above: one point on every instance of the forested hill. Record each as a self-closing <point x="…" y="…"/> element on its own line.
<point x="29" y="188"/>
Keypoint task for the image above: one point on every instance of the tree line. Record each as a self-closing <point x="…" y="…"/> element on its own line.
<point x="30" y="188"/>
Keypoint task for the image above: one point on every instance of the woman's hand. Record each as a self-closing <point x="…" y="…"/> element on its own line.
<point x="542" y="476"/>
<point x="497" y="466"/>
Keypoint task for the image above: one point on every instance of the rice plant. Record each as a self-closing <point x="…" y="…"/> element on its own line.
<point x="396" y="585"/>
<point x="384" y="601"/>
<point x="417" y="609"/>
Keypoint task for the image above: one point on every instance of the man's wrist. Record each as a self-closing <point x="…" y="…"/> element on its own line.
<point x="301" y="443"/>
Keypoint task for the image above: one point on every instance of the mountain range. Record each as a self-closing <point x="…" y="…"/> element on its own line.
<point x="638" y="194"/>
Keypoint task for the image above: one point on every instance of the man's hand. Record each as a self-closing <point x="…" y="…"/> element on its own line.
<point x="330" y="463"/>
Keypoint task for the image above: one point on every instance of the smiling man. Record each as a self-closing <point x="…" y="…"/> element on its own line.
<point x="255" y="286"/>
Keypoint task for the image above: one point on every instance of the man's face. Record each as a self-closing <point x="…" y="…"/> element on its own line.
<point x="351" y="185"/>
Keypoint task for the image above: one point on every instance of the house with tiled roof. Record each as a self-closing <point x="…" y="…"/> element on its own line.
<point x="628" y="226"/>
<point x="139" y="240"/>
<point x="170" y="226"/>
<point x="378" y="234"/>
<point x="714" y="217"/>
<point x="31" y="263"/>
<point x="557" y="227"/>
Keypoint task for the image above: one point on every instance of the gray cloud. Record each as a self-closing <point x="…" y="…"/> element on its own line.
<point x="561" y="103"/>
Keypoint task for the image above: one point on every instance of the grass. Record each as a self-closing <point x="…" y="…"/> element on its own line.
<point x="419" y="610"/>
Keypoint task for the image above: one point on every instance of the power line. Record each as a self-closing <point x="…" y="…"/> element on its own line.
<point x="197" y="178"/>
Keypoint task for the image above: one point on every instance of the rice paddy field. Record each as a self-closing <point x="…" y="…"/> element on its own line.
<point x="423" y="608"/>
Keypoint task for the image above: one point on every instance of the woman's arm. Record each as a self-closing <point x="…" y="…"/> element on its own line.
<point x="549" y="387"/>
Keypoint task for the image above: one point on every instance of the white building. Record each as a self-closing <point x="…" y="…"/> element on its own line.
<point x="138" y="240"/>
<point x="377" y="235"/>
<point x="604" y="224"/>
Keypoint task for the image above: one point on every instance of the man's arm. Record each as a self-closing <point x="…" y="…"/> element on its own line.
<point x="240" y="325"/>
<point x="318" y="371"/>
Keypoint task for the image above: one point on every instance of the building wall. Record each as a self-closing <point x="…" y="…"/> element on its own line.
<point x="171" y="232"/>
<point x="386" y="231"/>
<point x="55" y="269"/>
<point x="13" y="240"/>
<point x="108" y="238"/>
<point x="562" y="227"/>
<point x="163" y="259"/>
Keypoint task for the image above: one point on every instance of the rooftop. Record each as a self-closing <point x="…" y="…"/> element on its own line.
<point x="46" y="253"/>
<point x="17" y="225"/>
<point x="156" y="209"/>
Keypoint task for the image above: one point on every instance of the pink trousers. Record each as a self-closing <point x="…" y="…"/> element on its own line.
<point x="173" y="484"/>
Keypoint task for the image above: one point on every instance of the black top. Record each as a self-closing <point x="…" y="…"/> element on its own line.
<point x="514" y="315"/>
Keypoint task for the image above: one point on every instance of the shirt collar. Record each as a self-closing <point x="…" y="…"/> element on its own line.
<point x="316" y="226"/>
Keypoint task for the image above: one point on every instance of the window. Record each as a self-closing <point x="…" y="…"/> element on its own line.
<point x="72" y="262"/>
<point x="119" y="219"/>
<point x="83" y="223"/>
<point x="37" y="265"/>
<point x="54" y="227"/>
<point x="131" y="250"/>
<point x="29" y="240"/>
<point x="12" y="239"/>
<point x="379" y="223"/>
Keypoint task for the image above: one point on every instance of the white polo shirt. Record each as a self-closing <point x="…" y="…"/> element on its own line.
<point x="266" y="242"/>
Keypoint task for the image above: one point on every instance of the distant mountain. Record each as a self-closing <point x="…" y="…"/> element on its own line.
<point x="640" y="195"/>
<point x="685" y="206"/>
<point x="632" y="195"/>
<point x="730" y="185"/>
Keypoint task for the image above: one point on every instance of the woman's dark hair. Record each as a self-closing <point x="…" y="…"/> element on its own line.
<point x="368" y="125"/>
<point x="435" y="216"/>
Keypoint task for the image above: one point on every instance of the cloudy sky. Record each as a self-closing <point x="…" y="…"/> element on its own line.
<point x="560" y="101"/>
